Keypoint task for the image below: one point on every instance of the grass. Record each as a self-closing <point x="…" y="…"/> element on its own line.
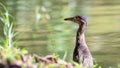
<point x="8" y="48"/>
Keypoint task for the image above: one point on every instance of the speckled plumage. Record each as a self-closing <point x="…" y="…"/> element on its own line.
<point x="81" y="52"/>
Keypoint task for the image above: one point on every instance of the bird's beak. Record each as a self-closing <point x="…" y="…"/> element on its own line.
<point x="69" y="19"/>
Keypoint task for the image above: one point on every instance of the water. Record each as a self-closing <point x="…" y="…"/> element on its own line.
<point x="42" y="29"/>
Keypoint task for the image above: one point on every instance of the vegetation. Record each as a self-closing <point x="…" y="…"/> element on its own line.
<point x="8" y="48"/>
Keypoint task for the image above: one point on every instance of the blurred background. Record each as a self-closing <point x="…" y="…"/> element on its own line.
<point x="42" y="29"/>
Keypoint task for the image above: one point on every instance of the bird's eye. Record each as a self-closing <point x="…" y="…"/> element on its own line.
<point x="77" y="18"/>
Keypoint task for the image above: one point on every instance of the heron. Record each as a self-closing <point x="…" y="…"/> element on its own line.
<point x="81" y="54"/>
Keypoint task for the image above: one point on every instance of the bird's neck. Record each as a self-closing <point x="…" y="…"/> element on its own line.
<point x="80" y="38"/>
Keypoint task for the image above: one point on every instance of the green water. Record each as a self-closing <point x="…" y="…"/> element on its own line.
<point x="42" y="29"/>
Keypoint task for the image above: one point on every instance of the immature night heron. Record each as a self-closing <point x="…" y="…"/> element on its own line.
<point x="81" y="53"/>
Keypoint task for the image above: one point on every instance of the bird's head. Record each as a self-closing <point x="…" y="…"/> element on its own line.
<point x="80" y="19"/>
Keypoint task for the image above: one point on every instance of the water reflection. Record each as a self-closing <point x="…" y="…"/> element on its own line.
<point x="43" y="30"/>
